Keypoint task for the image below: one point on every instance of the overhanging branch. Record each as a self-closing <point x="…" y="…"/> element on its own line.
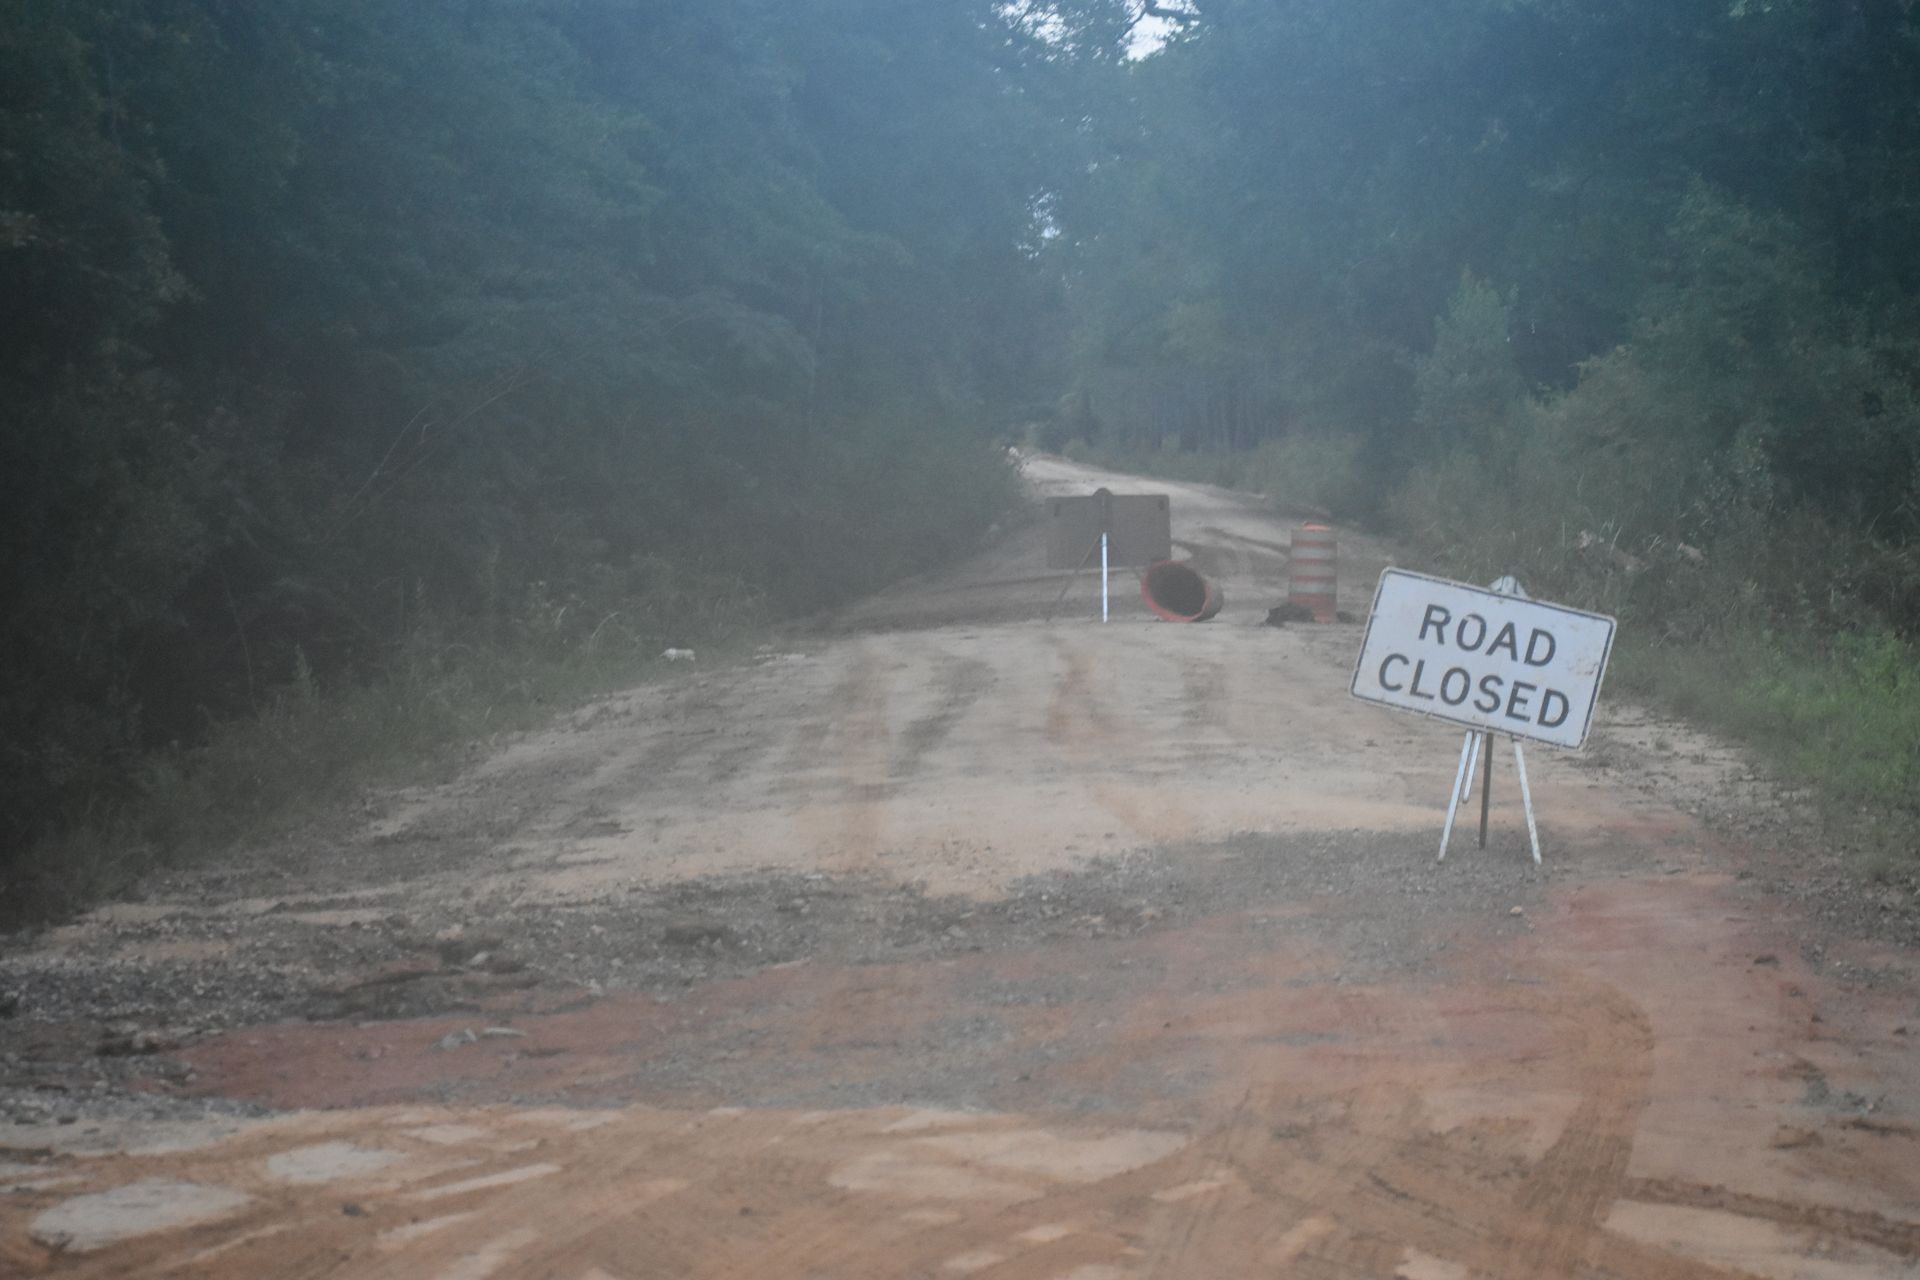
<point x="1152" y="9"/>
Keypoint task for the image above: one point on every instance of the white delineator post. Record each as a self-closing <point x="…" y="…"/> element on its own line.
<point x="1103" y="577"/>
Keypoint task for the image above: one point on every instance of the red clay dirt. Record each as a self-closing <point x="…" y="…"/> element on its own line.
<point x="1020" y="951"/>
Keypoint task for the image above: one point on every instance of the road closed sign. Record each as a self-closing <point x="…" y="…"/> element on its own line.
<point x="1482" y="659"/>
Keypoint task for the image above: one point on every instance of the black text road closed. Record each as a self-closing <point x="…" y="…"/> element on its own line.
<point x="1483" y="660"/>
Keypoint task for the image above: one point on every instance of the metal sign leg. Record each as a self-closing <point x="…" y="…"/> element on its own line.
<point x="1486" y="791"/>
<point x="1526" y="799"/>
<point x="1462" y="779"/>
<point x="1471" y="759"/>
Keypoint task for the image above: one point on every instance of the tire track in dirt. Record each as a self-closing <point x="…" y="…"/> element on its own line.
<point x="1213" y="735"/>
<point x="1253" y="1197"/>
<point x="957" y="685"/>
<point x="858" y="745"/>
<point x="1204" y="684"/>
<point x="812" y="720"/>
<point x="586" y="1213"/>
<point x="1094" y="739"/>
<point x="1352" y="1192"/>
<point x="1090" y="1222"/>
<point x="1864" y="1227"/>
<point x="754" y="739"/>
<point x="626" y="762"/>
<point x="1565" y="1199"/>
<point x="749" y="715"/>
<point x="1450" y="1203"/>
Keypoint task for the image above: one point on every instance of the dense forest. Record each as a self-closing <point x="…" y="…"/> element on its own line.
<point x="1675" y="241"/>
<point x="344" y="337"/>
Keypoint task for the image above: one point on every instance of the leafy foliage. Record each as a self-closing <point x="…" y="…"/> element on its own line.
<point x="1465" y="387"/>
<point x="337" y="329"/>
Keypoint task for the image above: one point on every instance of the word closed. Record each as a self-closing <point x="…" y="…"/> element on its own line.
<point x="1481" y="659"/>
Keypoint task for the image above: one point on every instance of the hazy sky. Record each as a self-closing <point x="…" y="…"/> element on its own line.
<point x="1148" y="36"/>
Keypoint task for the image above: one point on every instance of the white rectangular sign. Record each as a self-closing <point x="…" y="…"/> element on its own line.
<point x="1484" y="660"/>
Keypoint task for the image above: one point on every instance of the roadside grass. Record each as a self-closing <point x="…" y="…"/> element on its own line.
<point x="307" y="748"/>
<point x="1840" y="716"/>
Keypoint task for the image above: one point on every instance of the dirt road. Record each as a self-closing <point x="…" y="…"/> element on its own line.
<point x="947" y="941"/>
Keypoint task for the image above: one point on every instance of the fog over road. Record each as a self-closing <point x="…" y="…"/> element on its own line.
<point x="945" y="940"/>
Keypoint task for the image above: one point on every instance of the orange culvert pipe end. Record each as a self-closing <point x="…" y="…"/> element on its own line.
<point x="1176" y="591"/>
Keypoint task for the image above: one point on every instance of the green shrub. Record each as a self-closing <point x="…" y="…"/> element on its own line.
<point x="1468" y="383"/>
<point x="1310" y="473"/>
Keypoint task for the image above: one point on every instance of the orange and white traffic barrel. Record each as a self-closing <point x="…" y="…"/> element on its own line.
<point x="1313" y="581"/>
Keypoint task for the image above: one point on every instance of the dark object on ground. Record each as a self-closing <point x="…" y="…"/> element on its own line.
<point x="1281" y="614"/>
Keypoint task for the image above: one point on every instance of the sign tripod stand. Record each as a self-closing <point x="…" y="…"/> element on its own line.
<point x="1103" y="503"/>
<point x="1126" y="530"/>
<point x="1471" y="754"/>
<point x="1490" y="660"/>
